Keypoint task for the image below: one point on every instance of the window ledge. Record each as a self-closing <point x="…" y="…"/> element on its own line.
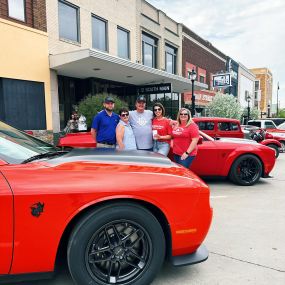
<point x="70" y="42"/>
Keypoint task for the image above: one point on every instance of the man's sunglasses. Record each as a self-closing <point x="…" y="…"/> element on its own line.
<point x="157" y="109"/>
<point x="124" y="114"/>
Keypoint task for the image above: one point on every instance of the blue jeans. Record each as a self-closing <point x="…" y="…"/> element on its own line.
<point x="161" y="147"/>
<point x="186" y="162"/>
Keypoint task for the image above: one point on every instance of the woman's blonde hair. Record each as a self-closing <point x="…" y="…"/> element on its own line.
<point x="189" y="116"/>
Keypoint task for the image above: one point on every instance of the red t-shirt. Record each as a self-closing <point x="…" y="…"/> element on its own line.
<point x="182" y="137"/>
<point x="163" y="128"/>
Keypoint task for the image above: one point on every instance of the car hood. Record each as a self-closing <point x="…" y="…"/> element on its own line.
<point x="113" y="156"/>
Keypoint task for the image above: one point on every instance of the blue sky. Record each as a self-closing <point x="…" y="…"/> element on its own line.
<point x="250" y="31"/>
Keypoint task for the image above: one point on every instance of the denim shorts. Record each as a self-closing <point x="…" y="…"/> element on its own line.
<point x="186" y="162"/>
<point x="161" y="147"/>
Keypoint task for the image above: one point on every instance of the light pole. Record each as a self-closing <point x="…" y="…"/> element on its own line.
<point x="277" y="99"/>
<point x="268" y="110"/>
<point x="248" y="107"/>
<point x="192" y="76"/>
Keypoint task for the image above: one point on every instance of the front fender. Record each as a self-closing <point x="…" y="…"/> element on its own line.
<point x="271" y="141"/>
<point x="237" y="153"/>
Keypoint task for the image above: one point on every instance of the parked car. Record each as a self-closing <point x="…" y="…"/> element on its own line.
<point x="276" y="132"/>
<point x="242" y="161"/>
<point x="219" y="127"/>
<point x="262" y="136"/>
<point x="116" y="214"/>
<point x="278" y="121"/>
<point x="281" y="127"/>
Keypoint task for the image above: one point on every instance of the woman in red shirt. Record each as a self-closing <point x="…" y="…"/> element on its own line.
<point x="161" y="130"/>
<point x="185" y="138"/>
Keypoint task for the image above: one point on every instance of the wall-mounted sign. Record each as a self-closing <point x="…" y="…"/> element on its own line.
<point x="222" y="80"/>
<point x="154" y="89"/>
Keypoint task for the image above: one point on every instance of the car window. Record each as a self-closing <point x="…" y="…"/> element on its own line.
<point x="206" y="126"/>
<point x="224" y="126"/>
<point x="269" y="125"/>
<point x="256" y="124"/>
<point x="234" y="127"/>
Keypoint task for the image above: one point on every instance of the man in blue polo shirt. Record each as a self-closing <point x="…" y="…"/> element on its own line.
<point x="104" y="125"/>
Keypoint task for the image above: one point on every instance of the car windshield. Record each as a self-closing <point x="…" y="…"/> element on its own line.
<point x="205" y="136"/>
<point x="17" y="146"/>
<point x="281" y="127"/>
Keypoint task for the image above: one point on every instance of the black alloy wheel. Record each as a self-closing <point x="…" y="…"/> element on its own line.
<point x="118" y="244"/>
<point x="275" y="148"/>
<point x="246" y="170"/>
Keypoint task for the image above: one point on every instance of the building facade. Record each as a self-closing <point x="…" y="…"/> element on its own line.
<point x="206" y="60"/>
<point x="25" y="100"/>
<point x="264" y="79"/>
<point x="246" y="88"/>
<point x="113" y="47"/>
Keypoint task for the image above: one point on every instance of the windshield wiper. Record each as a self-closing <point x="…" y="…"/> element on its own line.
<point x="43" y="155"/>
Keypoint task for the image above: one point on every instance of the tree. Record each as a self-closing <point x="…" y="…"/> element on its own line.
<point x="281" y="113"/>
<point x="253" y="114"/>
<point x="226" y="106"/>
<point x="91" y="105"/>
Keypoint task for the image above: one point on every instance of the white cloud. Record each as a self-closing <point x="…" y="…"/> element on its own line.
<point x="250" y="31"/>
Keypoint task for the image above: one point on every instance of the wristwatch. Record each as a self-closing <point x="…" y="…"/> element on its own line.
<point x="187" y="152"/>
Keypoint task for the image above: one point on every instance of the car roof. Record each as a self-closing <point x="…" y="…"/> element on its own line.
<point x="207" y="119"/>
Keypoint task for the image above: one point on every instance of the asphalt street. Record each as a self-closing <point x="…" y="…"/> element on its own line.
<point x="246" y="239"/>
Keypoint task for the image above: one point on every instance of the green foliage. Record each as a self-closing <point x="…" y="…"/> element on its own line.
<point x="253" y="114"/>
<point x="91" y="105"/>
<point x="281" y="113"/>
<point x="225" y="106"/>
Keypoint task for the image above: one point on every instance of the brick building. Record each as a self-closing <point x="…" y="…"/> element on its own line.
<point x="206" y="60"/>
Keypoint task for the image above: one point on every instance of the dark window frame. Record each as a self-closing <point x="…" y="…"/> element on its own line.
<point x="128" y="34"/>
<point x="77" y="21"/>
<point x="148" y="39"/>
<point x="172" y="51"/>
<point x="106" y="32"/>
<point x="25" y="14"/>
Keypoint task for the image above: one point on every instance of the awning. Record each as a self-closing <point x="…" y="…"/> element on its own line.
<point x="92" y="63"/>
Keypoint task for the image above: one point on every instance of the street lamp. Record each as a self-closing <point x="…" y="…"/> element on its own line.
<point x="277" y="100"/>
<point x="192" y="76"/>
<point x="268" y="111"/>
<point x="248" y="107"/>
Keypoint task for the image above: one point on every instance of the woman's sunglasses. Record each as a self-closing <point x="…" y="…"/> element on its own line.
<point x="157" y="109"/>
<point x="184" y="114"/>
<point x="124" y="114"/>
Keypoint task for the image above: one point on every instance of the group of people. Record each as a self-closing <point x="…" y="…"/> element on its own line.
<point x="146" y="130"/>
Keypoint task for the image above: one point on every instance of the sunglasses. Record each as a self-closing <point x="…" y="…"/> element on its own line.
<point x="124" y="114"/>
<point x="157" y="109"/>
<point x="184" y="114"/>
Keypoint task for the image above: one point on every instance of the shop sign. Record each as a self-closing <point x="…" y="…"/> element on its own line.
<point x="154" y="89"/>
<point x="222" y="80"/>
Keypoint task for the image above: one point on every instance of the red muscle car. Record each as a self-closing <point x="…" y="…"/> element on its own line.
<point x="242" y="161"/>
<point x="117" y="215"/>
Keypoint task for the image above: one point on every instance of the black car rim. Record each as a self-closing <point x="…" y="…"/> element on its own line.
<point x="118" y="253"/>
<point x="248" y="170"/>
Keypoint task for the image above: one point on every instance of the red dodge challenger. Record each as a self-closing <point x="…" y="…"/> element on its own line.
<point x="115" y="215"/>
<point x="242" y="161"/>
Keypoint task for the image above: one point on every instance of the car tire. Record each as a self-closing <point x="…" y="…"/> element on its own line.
<point x="282" y="146"/>
<point x="119" y="243"/>
<point x="246" y="170"/>
<point x="276" y="148"/>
